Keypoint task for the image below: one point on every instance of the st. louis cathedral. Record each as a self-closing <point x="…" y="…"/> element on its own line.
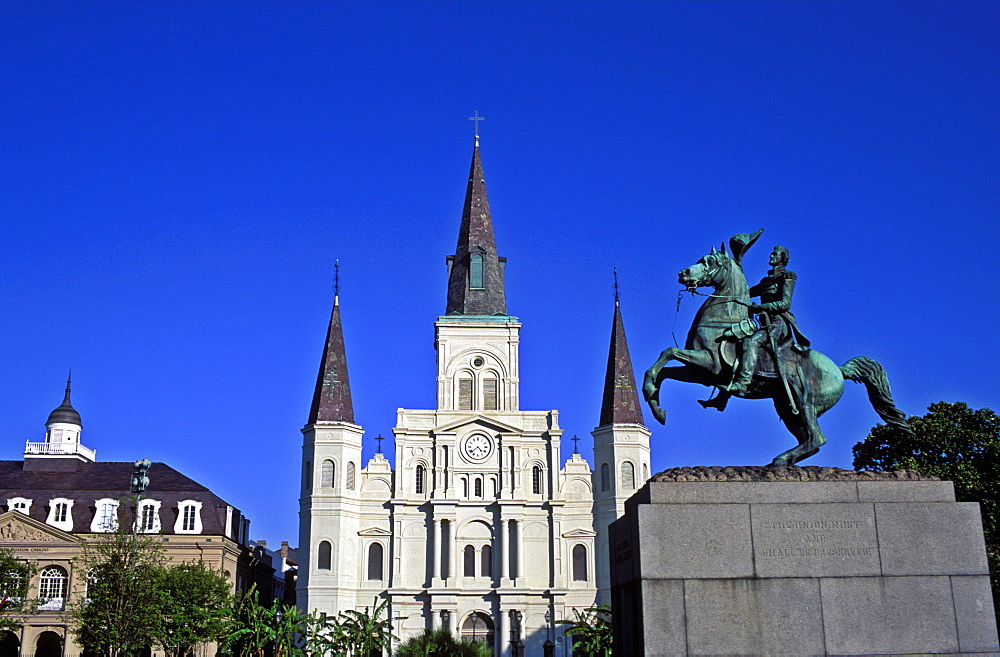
<point x="479" y="528"/>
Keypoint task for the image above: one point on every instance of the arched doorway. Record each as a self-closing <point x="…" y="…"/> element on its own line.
<point x="478" y="627"/>
<point x="10" y="646"/>
<point x="48" y="644"/>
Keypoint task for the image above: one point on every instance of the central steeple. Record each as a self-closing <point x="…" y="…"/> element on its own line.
<point x="476" y="272"/>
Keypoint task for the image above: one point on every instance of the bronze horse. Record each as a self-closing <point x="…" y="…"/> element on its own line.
<point x="812" y="382"/>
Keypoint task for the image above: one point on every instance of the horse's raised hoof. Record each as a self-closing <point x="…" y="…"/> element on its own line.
<point x="660" y="414"/>
<point x="648" y="390"/>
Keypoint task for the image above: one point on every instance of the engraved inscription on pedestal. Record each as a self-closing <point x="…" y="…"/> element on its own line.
<point x="814" y="540"/>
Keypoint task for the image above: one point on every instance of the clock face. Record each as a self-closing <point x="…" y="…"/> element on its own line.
<point x="478" y="447"/>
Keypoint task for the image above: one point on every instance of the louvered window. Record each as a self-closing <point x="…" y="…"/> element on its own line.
<point x="628" y="476"/>
<point x="490" y="394"/>
<point x="465" y="394"/>
<point x="327" y="474"/>
<point x="350" y="475"/>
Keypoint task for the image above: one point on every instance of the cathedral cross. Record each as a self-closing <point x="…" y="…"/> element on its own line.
<point x="576" y="440"/>
<point x="379" y="439"/>
<point x="477" y="119"/>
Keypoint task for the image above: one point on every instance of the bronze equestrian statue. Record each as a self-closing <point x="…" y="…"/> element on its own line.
<point x="724" y="349"/>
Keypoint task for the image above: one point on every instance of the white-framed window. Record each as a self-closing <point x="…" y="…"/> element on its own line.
<point x="105" y="515"/>
<point x="148" y="516"/>
<point x="52" y="588"/>
<point x="61" y="514"/>
<point x="188" y="518"/>
<point x="418" y="480"/>
<point x="22" y="504"/>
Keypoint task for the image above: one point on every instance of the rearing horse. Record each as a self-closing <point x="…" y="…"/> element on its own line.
<point x="814" y="382"/>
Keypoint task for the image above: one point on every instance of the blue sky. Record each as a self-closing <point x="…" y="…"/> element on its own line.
<point x="177" y="179"/>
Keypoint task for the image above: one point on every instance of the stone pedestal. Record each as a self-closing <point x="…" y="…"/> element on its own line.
<point x="823" y="567"/>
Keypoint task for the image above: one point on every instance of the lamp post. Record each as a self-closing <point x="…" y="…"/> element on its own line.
<point x="517" y="645"/>
<point x="475" y="624"/>
<point x="548" y="648"/>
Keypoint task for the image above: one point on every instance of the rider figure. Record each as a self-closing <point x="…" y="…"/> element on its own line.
<point x="775" y="292"/>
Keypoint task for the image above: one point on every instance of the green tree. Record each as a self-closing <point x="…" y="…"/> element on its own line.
<point x="15" y="576"/>
<point x="255" y="629"/>
<point x="953" y="442"/>
<point x="122" y="610"/>
<point x="591" y="631"/>
<point x="368" y="631"/>
<point x="195" y="607"/>
<point x="441" y="643"/>
<point x="325" y="635"/>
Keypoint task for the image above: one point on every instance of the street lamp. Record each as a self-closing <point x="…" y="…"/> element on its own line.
<point x="475" y="624"/>
<point x="515" y="633"/>
<point x="548" y="648"/>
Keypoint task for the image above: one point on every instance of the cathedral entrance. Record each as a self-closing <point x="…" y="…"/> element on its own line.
<point x="478" y="627"/>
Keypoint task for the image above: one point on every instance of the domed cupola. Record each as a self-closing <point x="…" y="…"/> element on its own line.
<point x="62" y="438"/>
<point x="65" y="413"/>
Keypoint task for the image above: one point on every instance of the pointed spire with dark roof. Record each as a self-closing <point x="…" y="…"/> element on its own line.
<point x="332" y="399"/>
<point x="475" y="279"/>
<point x="65" y="412"/>
<point x="621" y="400"/>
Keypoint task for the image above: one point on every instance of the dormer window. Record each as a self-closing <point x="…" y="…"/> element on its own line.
<point x="148" y="520"/>
<point x="21" y="504"/>
<point x="61" y="514"/>
<point x="188" y="518"/>
<point x="105" y="516"/>
<point x="476" y="271"/>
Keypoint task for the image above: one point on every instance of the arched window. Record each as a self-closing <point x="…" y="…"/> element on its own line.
<point x="350" y="475"/>
<point x="579" y="563"/>
<point x="52" y="588"/>
<point x="493" y="482"/>
<point x="323" y="556"/>
<point x="645" y="473"/>
<point x="486" y="567"/>
<point x="605" y="477"/>
<point x="418" y="486"/>
<point x="375" y="562"/>
<point x="469" y="561"/>
<point x="465" y="487"/>
<point x="628" y="476"/>
<point x="327" y="474"/>
<point x="307" y="476"/>
<point x="479" y="486"/>
<point x="536" y="480"/>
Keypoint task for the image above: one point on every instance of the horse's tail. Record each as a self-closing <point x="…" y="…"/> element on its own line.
<point x="867" y="371"/>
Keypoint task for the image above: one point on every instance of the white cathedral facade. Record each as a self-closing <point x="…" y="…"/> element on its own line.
<point x="479" y="528"/>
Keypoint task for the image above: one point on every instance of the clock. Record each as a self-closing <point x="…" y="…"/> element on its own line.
<point x="478" y="447"/>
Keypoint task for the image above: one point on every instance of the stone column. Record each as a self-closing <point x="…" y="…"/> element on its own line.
<point x="436" y="566"/>
<point x="519" y="550"/>
<point x="452" y="551"/>
<point x="501" y="632"/>
<point x="504" y="550"/>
